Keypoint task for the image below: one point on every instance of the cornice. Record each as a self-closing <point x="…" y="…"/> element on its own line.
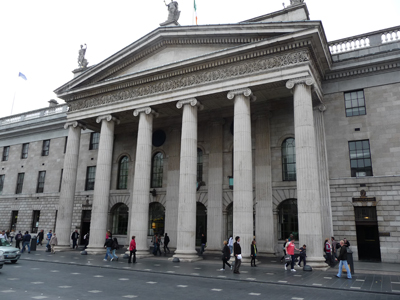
<point x="221" y="71"/>
<point x="362" y="71"/>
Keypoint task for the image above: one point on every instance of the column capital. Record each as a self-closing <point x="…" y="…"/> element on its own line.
<point x="74" y="124"/>
<point x="322" y="107"/>
<point x="308" y="80"/>
<point x="191" y="101"/>
<point x="147" y="110"/>
<point x="245" y="91"/>
<point x="108" y="118"/>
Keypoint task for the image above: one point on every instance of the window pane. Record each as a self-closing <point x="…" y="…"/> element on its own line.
<point x="288" y="159"/>
<point x="355" y="112"/>
<point x="348" y="104"/>
<point x="347" y="96"/>
<point x="354" y="95"/>
<point x="365" y="145"/>
<point x="360" y="94"/>
<point x="359" y="145"/>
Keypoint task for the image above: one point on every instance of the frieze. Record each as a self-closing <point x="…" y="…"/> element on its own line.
<point x="184" y="81"/>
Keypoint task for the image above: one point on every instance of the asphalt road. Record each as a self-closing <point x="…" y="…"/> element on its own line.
<point x="52" y="280"/>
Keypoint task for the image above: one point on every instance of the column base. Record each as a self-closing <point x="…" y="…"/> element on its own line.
<point x="317" y="264"/>
<point x="141" y="254"/>
<point x="186" y="256"/>
<point x="95" y="250"/>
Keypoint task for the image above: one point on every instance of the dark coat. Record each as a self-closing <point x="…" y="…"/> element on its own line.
<point x="236" y="248"/>
<point x="74" y="236"/>
<point x="343" y="253"/>
<point x="253" y="253"/>
<point x="40" y="236"/>
<point x="108" y="243"/>
<point x="166" y="240"/>
<point x="226" y="252"/>
<point x="203" y="239"/>
<point x="26" y="238"/>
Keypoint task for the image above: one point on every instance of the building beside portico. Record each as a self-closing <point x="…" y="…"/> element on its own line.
<point x="257" y="129"/>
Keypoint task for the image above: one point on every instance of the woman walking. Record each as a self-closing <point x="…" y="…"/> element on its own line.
<point x="132" y="249"/>
<point x="253" y="251"/>
<point x="53" y="243"/>
<point x="226" y="255"/>
<point x="290" y="247"/>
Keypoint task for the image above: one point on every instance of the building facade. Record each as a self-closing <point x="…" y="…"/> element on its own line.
<point x="261" y="128"/>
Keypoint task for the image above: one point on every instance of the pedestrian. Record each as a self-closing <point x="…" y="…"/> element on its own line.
<point x="226" y="255"/>
<point x="291" y="237"/>
<point x="284" y="249"/>
<point x="159" y="242"/>
<point x="48" y="238"/>
<point x="328" y="252"/>
<point x="12" y="235"/>
<point x="166" y="242"/>
<point x="108" y="245"/>
<point x="155" y="244"/>
<point x="40" y="237"/>
<point x="290" y="247"/>
<point x="86" y="239"/>
<point x="132" y="251"/>
<point x="18" y="239"/>
<point x="3" y="235"/>
<point x="346" y="242"/>
<point x="115" y="247"/>
<point x="203" y="243"/>
<point x="342" y="258"/>
<point x="230" y="244"/>
<point x="303" y="255"/>
<point x="53" y="243"/>
<point x="74" y="238"/>
<point x="108" y="233"/>
<point x="253" y="249"/>
<point x="26" y="239"/>
<point x="237" y="252"/>
<point x="7" y="234"/>
<point x="334" y="248"/>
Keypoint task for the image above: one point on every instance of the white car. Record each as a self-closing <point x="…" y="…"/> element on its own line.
<point x="1" y="259"/>
<point x="10" y="253"/>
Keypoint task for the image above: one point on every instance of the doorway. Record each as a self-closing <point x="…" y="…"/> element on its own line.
<point x="201" y="222"/>
<point x="367" y="234"/>
<point x="85" y="224"/>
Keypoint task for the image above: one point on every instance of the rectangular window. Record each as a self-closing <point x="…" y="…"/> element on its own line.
<point x="94" y="141"/>
<point x="24" y="152"/>
<point x="90" y="177"/>
<point x="354" y="103"/>
<point x="65" y="145"/>
<point x="6" y="151"/>
<point x="35" y="221"/>
<point x="46" y="148"/>
<point x="2" y="177"/>
<point x="360" y="158"/>
<point x="20" y="183"/>
<point x="40" y="183"/>
<point x="14" y="219"/>
<point x="59" y="188"/>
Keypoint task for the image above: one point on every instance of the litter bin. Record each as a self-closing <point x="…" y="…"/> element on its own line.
<point x="33" y="242"/>
<point x="350" y="260"/>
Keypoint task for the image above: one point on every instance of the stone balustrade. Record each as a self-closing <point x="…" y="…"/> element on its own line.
<point x="365" y="40"/>
<point x="44" y="112"/>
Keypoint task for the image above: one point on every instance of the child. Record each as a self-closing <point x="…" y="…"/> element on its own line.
<point x="302" y="255"/>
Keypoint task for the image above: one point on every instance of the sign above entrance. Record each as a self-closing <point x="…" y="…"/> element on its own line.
<point x="363" y="197"/>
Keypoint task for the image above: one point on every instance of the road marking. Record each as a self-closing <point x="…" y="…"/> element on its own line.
<point x="98" y="276"/>
<point x="182" y="286"/>
<point x="95" y="291"/>
<point x="297" y="275"/>
<point x="13" y="278"/>
<point x="37" y="254"/>
<point x="395" y="282"/>
<point x="221" y="276"/>
<point x="147" y="270"/>
<point x="151" y="282"/>
<point x="195" y="274"/>
<point x="157" y="265"/>
<point x="122" y="279"/>
<point x="17" y="266"/>
<point x="317" y="284"/>
<point x="54" y="271"/>
<point x="37" y="282"/>
<point x="170" y="271"/>
<point x="197" y="268"/>
<point x="216" y="290"/>
<point x="355" y="287"/>
<point x="269" y="273"/>
<point x="35" y="268"/>
<point x="40" y="297"/>
<point x="282" y="281"/>
<point x="396" y="291"/>
<point x="327" y="277"/>
<point x="176" y="266"/>
<point x="251" y="278"/>
<point x="75" y="273"/>
<point x="8" y="291"/>
<point x="360" y="280"/>
<point x="65" y="286"/>
<point x="129" y="296"/>
<point x="254" y="294"/>
<point x="295" y="298"/>
<point x="244" y="272"/>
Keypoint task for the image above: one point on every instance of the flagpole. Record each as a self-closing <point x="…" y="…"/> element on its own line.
<point x="12" y="106"/>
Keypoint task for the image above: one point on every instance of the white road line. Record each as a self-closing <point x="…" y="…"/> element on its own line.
<point x="254" y="294"/>
<point x="40" y="297"/>
<point x="122" y="279"/>
<point x="244" y="272"/>
<point x="355" y="287"/>
<point x="13" y="278"/>
<point x="221" y="276"/>
<point x="297" y="275"/>
<point x="196" y="274"/>
<point x="282" y="281"/>
<point x="295" y="298"/>
<point x="396" y="291"/>
<point x="327" y="277"/>
<point x="54" y="271"/>
<point x="216" y="290"/>
<point x="151" y="282"/>
<point x="197" y="268"/>
<point x="171" y="272"/>
<point x="147" y="270"/>
<point x="129" y="296"/>
<point x="37" y="282"/>
<point x="395" y="282"/>
<point x="182" y="286"/>
<point x="360" y="280"/>
<point x="98" y="276"/>
<point x="157" y="265"/>
<point x="269" y="273"/>
<point x="317" y="284"/>
<point x="8" y="291"/>
<point x="251" y="278"/>
<point x="65" y="286"/>
<point x="95" y="291"/>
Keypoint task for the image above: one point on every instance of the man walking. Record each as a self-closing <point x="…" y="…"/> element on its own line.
<point x="40" y="237"/>
<point x="53" y="243"/>
<point x="18" y="239"/>
<point x="74" y="238"/>
<point x="166" y="242"/>
<point x="108" y="245"/>
<point x="237" y="252"/>
<point x="26" y="240"/>
<point x="48" y="238"/>
<point x="342" y="258"/>
<point x="203" y="243"/>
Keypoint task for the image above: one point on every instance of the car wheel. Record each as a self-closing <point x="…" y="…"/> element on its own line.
<point x="14" y="261"/>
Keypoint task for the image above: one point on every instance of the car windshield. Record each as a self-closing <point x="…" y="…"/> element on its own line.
<point x="4" y="242"/>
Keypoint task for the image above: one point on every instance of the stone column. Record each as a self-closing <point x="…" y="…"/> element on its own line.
<point x="139" y="212"/>
<point x="308" y="202"/>
<point x="67" y="193"/>
<point x="242" y="169"/>
<point x="265" y="233"/>
<point x="186" y="237"/>
<point x="171" y="206"/>
<point x="323" y="173"/>
<point x="215" y="182"/>
<point x="98" y="224"/>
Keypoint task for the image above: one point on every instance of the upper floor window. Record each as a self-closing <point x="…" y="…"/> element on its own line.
<point x="199" y="165"/>
<point x="2" y="177"/>
<point x="157" y="170"/>
<point x="360" y="158"/>
<point x="6" y="151"/>
<point x="25" y="149"/>
<point x="94" y="141"/>
<point x="90" y="178"/>
<point x="289" y="160"/>
<point x="40" y="183"/>
<point x="46" y="148"/>
<point x="20" y="183"/>
<point x="123" y="173"/>
<point x="355" y="103"/>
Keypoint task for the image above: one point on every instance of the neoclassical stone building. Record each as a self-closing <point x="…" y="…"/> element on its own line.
<point x="261" y="128"/>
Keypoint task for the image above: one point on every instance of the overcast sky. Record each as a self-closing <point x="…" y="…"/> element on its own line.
<point x="41" y="39"/>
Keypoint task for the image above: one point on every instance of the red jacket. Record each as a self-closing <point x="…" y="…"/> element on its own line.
<point x="132" y="245"/>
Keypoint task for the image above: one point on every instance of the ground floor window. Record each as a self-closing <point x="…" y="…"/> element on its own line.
<point x="120" y="216"/>
<point x="156" y="219"/>
<point x="288" y="219"/>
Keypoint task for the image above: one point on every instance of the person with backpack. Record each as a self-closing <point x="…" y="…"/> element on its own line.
<point x="226" y="255"/>
<point x="114" y="248"/>
<point x="40" y="237"/>
<point x="18" y="239"/>
<point x="26" y="240"/>
<point x="108" y="245"/>
<point x="166" y="242"/>
<point x="132" y="250"/>
<point x="303" y="255"/>
<point x="86" y="239"/>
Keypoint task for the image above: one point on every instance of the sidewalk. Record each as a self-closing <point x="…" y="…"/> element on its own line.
<point x="368" y="277"/>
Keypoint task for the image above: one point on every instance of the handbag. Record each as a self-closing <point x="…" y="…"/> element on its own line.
<point x="239" y="256"/>
<point x="288" y="257"/>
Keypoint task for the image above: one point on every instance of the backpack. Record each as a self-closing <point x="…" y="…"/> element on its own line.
<point x="115" y="244"/>
<point x="18" y="237"/>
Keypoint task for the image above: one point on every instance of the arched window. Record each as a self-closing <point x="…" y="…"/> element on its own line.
<point x="157" y="170"/>
<point x="288" y="219"/>
<point x="123" y="173"/>
<point x="289" y="160"/>
<point x="199" y="165"/>
<point x="156" y="218"/>
<point x="120" y="218"/>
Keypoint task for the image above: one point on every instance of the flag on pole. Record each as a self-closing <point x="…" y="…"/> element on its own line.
<point x="195" y="10"/>
<point x="22" y="76"/>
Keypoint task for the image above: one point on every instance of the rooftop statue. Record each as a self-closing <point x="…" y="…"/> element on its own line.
<point x="295" y="2"/>
<point x="82" y="62"/>
<point x="173" y="13"/>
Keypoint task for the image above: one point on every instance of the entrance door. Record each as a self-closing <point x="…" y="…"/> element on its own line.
<point x="85" y="224"/>
<point x="201" y="222"/>
<point x="367" y="234"/>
